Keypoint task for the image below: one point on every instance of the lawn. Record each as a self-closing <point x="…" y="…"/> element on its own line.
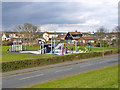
<point x="17" y="56"/>
<point x="4" y="48"/>
<point x="94" y="48"/>
<point x="102" y="78"/>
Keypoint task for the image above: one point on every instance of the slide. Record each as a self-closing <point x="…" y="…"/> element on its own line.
<point x="58" y="46"/>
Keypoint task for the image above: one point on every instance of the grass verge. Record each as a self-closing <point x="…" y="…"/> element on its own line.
<point x="102" y="78"/>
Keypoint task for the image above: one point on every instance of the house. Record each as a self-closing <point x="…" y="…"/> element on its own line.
<point x="90" y="39"/>
<point x="5" y="37"/>
<point x="73" y="36"/>
<point x="87" y="40"/>
<point x="85" y="34"/>
<point x="82" y="40"/>
<point x="16" y="36"/>
<point x="61" y="36"/>
<point x="40" y="38"/>
<point x="49" y="35"/>
<point x="110" y="36"/>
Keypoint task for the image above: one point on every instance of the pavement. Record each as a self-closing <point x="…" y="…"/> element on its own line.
<point x="56" y="71"/>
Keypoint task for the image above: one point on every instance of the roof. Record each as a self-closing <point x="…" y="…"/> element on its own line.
<point x="6" y="34"/>
<point x="75" y="32"/>
<point x="75" y="38"/>
<point x="90" y="38"/>
<point x="82" y="38"/>
<point x="50" y="32"/>
<point x="58" y="33"/>
<point x="61" y="36"/>
<point x="85" y="33"/>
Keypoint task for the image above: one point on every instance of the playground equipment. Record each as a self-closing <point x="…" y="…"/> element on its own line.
<point x="76" y="46"/>
<point x="88" y="49"/>
<point x="57" y="48"/>
<point x="17" y="46"/>
<point x="42" y="47"/>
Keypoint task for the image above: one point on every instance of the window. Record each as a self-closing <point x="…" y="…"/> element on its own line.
<point x="83" y="41"/>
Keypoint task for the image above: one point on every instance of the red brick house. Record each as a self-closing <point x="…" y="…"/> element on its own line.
<point x="87" y="40"/>
<point x="82" y="40"/>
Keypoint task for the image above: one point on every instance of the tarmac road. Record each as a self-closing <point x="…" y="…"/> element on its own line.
<point x="55" y="73"/>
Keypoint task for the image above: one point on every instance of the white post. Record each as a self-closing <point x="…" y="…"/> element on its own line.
<point x="76" y="46"/>
<point x="43" y="47"/>
<point x="12" y="47"/>
<point x="54" y="46"/>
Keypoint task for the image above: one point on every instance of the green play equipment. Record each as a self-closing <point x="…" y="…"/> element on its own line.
<point x="89" y="48"/>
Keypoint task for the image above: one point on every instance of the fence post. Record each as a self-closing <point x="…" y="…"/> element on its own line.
<point x="103" y="54"/>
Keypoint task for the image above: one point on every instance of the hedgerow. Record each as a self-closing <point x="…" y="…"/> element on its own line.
<point x="22" y="64"/>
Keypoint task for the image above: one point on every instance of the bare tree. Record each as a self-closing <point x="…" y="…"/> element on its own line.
<point x="101" y="34"/>
<point x="28" y="30"/>
<point x="117" y="31"/>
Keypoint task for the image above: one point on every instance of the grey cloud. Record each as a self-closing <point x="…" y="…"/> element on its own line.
<point x="54" y="13"/>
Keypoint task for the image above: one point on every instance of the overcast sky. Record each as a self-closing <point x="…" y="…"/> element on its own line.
<point x="85" y="15"/>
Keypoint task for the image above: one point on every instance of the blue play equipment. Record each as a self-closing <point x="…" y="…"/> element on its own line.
<point x="51" y="51"/>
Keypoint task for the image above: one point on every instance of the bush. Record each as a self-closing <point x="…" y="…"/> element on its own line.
<point x="15" y="65"/>
<point x="7" y="43"/>
<point x="63" y="41"/>
<point x="111" y="52"/>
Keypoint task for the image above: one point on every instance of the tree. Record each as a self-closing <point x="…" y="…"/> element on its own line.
<point x="28" y="30"/>
<point x="117" y="31"/>
<point x="101" y="34"/>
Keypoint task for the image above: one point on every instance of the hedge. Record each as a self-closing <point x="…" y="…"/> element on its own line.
<point x="21" y="64"/>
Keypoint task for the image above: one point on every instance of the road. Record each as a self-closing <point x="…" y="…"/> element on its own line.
<point x="55" y="73"/>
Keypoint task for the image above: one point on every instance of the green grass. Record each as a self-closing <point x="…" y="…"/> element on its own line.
<point x="4" y="48"/>
<point x="32" y="47"/>
<point x="94" y="48"/>
<point x="103" y="48"/>
<point x="17" y="56"/>
<point x="102" y="78"/>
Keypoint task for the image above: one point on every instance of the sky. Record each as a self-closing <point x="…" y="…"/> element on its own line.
<point x="80" y="15"/>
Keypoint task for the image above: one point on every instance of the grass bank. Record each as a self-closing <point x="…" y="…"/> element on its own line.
<point x="17" y="56"/>
<point x="102" y="78"/>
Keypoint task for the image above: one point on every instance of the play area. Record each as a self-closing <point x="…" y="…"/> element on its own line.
<point x="48" y="48"/>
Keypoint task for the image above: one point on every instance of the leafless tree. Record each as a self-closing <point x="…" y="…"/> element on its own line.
<point x="28" y="30"/>
<point x="117" y="30"/>
<point x="101" y="34"/>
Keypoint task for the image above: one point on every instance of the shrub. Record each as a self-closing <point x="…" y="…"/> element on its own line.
<point x="21" y="64"/>
<point x="7" y="43"/>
